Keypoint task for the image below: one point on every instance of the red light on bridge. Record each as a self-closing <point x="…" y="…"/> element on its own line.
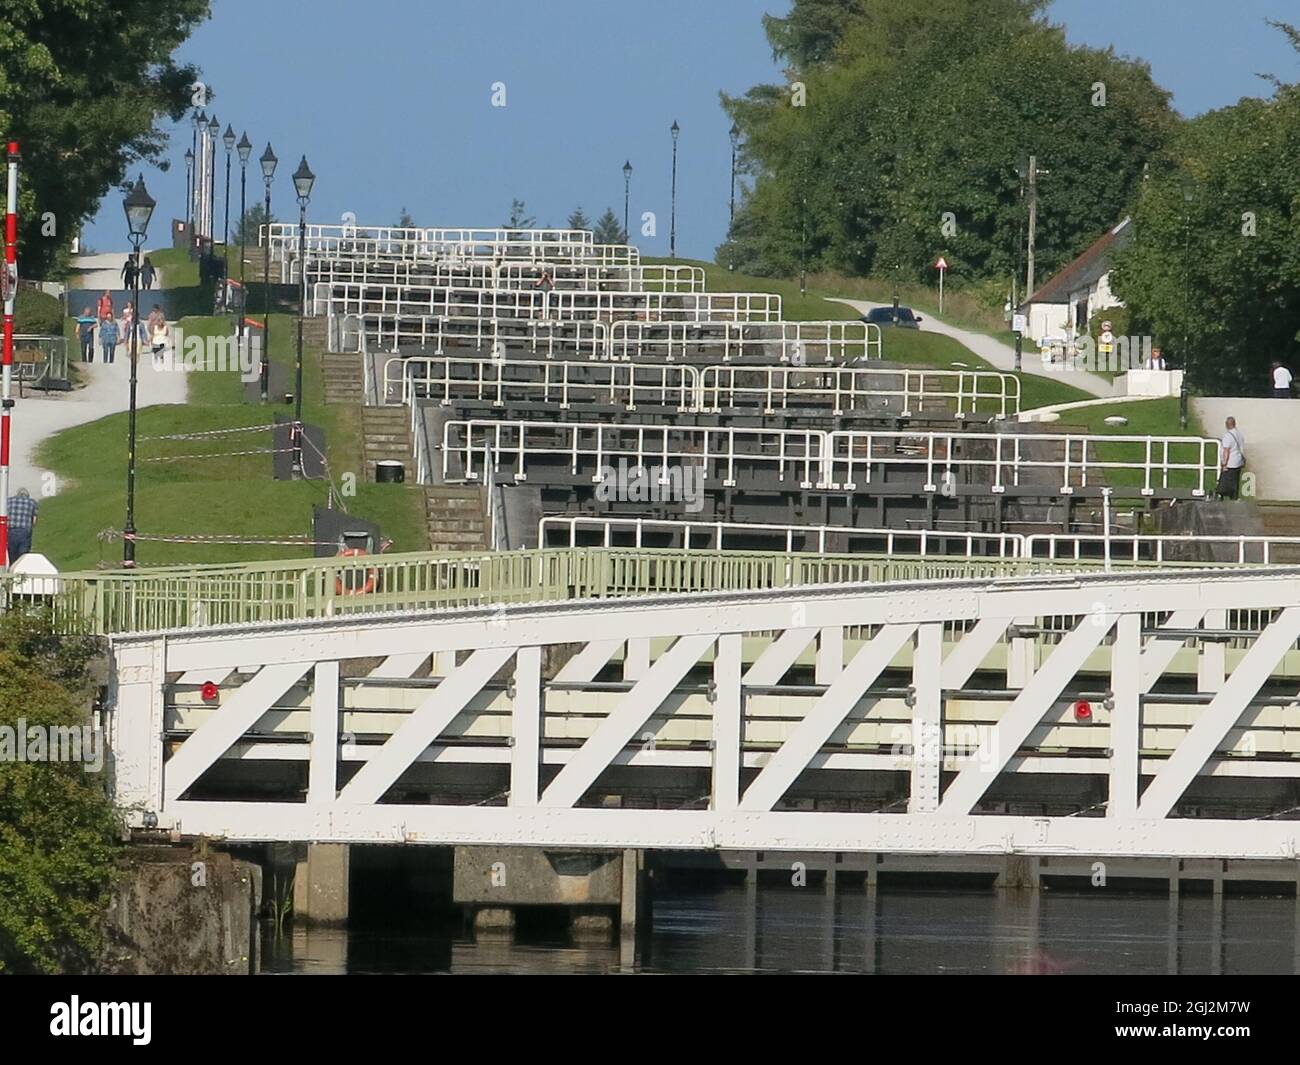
<point x="1083" y="711"/>
<point x="209" y="691"/>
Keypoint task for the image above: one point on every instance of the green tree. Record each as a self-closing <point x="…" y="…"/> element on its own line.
<point x="519" y="217"/>
<point x="896" y="117"/>
<point x="578" y="220"/>
<point x="83" y="84"/>
<point x="246" y="229"/>
<point x="1213" y="271"/>
<point x="609" y="230"/>
<point x="404" y="220"/>
<point x="58" y="830"/>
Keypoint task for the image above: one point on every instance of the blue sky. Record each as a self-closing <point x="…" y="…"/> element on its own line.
<point x="391" y="99"/>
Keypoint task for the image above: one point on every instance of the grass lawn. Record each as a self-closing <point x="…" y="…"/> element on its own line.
<point x="794" y="307"/>
<point x="190" y="495"/>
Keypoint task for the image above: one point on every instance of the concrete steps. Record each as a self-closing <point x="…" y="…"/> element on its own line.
<point x="386" y="436"/>
<point x="456" y="518"/>
<point x="343" y="378"/>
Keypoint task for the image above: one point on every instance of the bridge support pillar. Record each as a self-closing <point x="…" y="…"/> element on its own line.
<point x="320" y="885"/>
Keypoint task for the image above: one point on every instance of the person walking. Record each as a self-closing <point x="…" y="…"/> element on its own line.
<point x="147" y="273"/>
<point x="1281" y="381"/>
<point x="1232" y="457"/>
<point x="128" y="272"/>
<point x="22" y="522"/>
<point x="1156" y="361"/>
<point x="105" y="308"/>
<point x="86" y="335"/>
<point x="108" y="337"/>
<point x="156" y="329"/>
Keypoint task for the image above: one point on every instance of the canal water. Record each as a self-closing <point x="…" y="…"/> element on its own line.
<point x="740" y="928"/>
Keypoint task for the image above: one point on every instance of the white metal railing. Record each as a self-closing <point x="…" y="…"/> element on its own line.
<point x="795" y="342"/>
<point x="347" y="298"/>
<point x="480" y="273"/>
<point x="470" y="447"/>
<point x="1156" y="547"/>
<point x="545" y="338"/>
<point x="859" y="390"/>
<point x="447" y="378"/>
<point x="722" y="535"/>
<point x="844" y="459"/>
<point x="998" y="461"/>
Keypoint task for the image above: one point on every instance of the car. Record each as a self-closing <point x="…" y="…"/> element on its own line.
<point x="901" y="317"/>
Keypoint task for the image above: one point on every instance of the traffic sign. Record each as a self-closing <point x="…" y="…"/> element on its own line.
<point x="942" y="264"/>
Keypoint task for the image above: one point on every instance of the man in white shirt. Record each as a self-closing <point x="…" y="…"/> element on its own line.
<point x="1281" y="381"/>
<point x="1232" y="457"/>
<point x="1156" y="361"/>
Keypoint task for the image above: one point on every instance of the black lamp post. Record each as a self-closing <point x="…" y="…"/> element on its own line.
<point x="303" y="179"/>
<point x="268" y="161"/>
<point x="214" y="131"/>
<point x="731" y="217"/>
<point x="228" y="139"/>
<point x="245" y="149"/>
<point x="1189" y="194"/>
<point x="139" y="206"/>
<point x="627" y="188"/>
<point x="675" y="129"/>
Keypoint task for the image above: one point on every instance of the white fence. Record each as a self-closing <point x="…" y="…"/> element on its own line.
<point x="546" y="338"/>
<point x="510" y="274"/>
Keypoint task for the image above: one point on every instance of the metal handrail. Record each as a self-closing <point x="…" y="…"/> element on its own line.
<point x="120" y="602"/>
<point x="806" y="343"/>
<point x="544" y="337"/>
<point x="489" y="273"/>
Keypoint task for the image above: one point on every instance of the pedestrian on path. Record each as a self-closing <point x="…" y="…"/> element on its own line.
<point x="86" y="335"/>
<point x="1232" y="457"/>
<point x="147" y="273"/>
<point x="22" y="522"/>
<point x="108" y="337"/>
<point x="105" y="309"/>
<point x="128" y="272"/>
<point x="156" y="329"/>
<point x="1281" y="381"/>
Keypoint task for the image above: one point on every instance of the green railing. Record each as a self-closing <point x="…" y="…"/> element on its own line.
<point x="121" y="601"/>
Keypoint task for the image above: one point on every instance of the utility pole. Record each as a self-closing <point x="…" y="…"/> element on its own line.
<point x="1033" y="220"/>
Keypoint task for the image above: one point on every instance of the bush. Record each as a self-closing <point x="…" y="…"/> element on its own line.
<point x="37" y="313"/>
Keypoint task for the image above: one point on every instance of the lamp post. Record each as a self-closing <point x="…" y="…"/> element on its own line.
<point x="268" y="161"/>
<point x="627" y="188"/>
<point x="199" y="119"/>
<point x="138" y="206"/>
<point x="228" y="139"/>
<point x="214" y="131"/>
<point x="189" y="188"/>
<point x="303" y="179"/>
<point x="675" y="129"/>
<point x="731" y="217"/>
<point x="245" y="149"/>
<point x="1189" y="194"/>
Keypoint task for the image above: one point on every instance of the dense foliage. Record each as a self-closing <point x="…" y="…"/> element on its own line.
<point x="37" y="313"/>
<point x="58" y="830"/>
<point x="913" y="113"/>
<point x="82" y="86"/>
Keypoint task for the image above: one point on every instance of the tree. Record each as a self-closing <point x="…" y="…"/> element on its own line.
<point x="609" y="230"/>
<point x="58" y="830"/>
<point x="404" y="220"/>
<point x="82" y="87"/>
<point x="519" y="217"/>
<point x="246" y="229"/>
<point x="901" y="126"/>
<point x="578" y="220"/>
<point x="1213" y="272"/>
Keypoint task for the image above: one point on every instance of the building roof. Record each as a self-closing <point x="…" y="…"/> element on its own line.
<point x="1092" y="265"/>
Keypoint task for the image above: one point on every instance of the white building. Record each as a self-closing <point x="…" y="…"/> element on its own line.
<point x="1059" y="311"/>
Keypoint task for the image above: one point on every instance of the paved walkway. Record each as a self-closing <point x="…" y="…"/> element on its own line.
<point x="105" y="388"/>
<point x="1268" y="428"/>
<point x="104" y="271"/>
<point x="999" y="355"/>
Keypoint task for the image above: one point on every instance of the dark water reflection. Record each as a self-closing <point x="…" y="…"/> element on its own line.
<point x="778" y="929"/>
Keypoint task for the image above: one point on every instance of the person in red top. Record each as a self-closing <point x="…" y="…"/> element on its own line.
<point x="105" y="305"/>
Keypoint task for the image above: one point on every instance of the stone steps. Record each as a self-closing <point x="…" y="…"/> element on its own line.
<point x="455" y="518"/>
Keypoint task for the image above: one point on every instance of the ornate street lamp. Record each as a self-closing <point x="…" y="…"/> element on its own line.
<point x="138" y="205"/>
<point x="228" y="139"/>
<point x="731" y="217"/>
<point x="214" y="131"/>
<point x="303" y="179"/>
<point x="245" y="149"/>
<point x="268" y="161"/>
<point x="674" y="129"/>
<point x="627" y="188"/>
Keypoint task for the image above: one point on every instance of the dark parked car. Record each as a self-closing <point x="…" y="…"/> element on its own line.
<point x="902" y="317"/>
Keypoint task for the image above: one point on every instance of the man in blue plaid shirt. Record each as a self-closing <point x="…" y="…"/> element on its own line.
<point x="22" y="520"/>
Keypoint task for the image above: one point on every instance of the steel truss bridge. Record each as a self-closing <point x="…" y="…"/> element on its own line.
<point x="1141" y="713"/>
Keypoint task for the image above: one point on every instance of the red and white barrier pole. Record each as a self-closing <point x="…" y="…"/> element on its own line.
<point x="6" y="381"/>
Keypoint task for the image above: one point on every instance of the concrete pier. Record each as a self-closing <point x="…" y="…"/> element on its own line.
<point x="321" y="884"/>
